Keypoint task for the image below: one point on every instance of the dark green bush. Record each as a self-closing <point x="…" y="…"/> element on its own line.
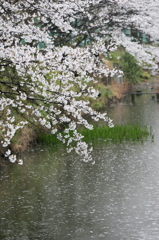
<point x="132" y="71"/>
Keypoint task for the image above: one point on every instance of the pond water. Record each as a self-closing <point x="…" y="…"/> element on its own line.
<point x="55" y="196"/>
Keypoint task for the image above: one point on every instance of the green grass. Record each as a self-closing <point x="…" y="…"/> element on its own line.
<point x="47" y="139"/>
<point x="117" y="133"/>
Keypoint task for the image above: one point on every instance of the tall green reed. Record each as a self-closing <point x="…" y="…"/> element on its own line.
<point x="117" y="133"/>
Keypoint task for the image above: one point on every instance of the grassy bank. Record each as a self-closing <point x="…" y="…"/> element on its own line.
<point x="117" y="134"/>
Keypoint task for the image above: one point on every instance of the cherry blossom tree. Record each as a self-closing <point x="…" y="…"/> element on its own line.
<point x="142" y="16"/>
<point x="48" y="87"/>
<point x="45" y="87"/>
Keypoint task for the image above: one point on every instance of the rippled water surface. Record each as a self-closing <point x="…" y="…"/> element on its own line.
<point x="55" y="196"/>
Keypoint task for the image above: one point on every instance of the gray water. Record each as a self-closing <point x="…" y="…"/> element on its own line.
<point x="56" y="196"/>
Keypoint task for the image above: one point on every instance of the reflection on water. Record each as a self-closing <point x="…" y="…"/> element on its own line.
<point x="55" y="196"/>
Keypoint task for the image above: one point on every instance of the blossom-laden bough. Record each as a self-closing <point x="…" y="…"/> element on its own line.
<point x="47" y="87"/>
